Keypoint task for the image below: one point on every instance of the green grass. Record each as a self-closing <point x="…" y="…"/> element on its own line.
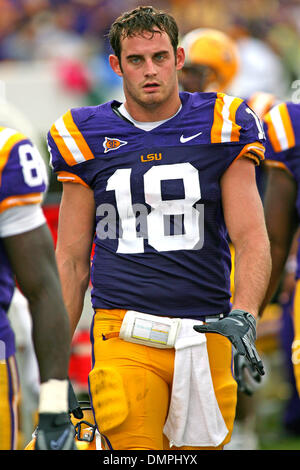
<point x="287" y="443"/>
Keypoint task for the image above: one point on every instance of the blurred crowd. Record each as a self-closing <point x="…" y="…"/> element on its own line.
<point x="74" y="33"/>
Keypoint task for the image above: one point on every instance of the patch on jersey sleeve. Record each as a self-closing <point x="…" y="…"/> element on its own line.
<point x="279" y="128"/>
<point x="225" y="128"/>
<point x="70" y="141"/>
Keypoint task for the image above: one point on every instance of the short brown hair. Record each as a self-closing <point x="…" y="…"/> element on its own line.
<point x="143" y="18"/>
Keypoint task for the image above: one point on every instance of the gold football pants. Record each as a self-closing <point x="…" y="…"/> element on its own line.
<point x="9" y="397"/>
<point x="296" y="342"/>
<point x="130" y="385"/>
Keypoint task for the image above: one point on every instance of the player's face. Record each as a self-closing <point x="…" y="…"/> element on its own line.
<point x="198" y="78"/>
<point x="149" y="70"/>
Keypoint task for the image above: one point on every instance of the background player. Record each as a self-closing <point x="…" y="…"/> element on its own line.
<point x="282" y="201"/>
<point x="151" y="139"/>
<point x="27" y="254"/>
<point x="211" y="61"/>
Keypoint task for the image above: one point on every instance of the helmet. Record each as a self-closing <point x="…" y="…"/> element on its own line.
<point x="86" y="434"/>
<point x="212" y="53"/>
<point x="85" y="428"/>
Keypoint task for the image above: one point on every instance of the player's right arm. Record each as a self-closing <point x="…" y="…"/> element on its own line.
<point x="69" y="154"/>
<point x="74" y="244"/>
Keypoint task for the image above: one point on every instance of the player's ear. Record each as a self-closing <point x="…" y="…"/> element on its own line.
<point x="115" y="64"/>
<point x="180" y="57"/>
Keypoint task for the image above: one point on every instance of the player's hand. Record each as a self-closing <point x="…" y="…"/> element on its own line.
<point x="55" y="432"/>
<point x="74" y="407"/>
<point x="240" y="328"/>
<point x="245" y="374"/>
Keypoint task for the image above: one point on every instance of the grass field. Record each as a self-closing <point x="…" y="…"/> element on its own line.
<point x="269" y="405"/>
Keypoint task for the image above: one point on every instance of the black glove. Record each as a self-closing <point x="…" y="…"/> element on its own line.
<point x="74" y="407"/>
<point x="55" y="432"/>
<point x="245" y="374"/>
<point x="240" y="328"/>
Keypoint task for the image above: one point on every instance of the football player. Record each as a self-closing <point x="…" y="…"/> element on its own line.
<point x="27" y="256"/>
<point x="282" y="201"/>
<point x="155" y="182"/>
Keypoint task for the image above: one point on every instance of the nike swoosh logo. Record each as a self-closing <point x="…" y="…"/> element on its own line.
<point x="183" y="139"/>
<point x="55" y="445"/>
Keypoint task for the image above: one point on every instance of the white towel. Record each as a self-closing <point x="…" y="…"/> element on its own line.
<point x="194" y="417"/>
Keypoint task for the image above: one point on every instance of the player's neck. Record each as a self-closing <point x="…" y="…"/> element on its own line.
<point x="152" y="113"/>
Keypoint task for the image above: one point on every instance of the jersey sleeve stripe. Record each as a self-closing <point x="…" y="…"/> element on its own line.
<point x="216" y="128"/>
<point x="272" y="134"/>
<point x="5" y="134"/>
<point x="70" y="141"/>
<point x="77" y="136"/>
<point x="224" y="128"/>
<point x="8" y="138"/>
<point x="255" y="151"/>
<point x="66" y="177"/>
<point x="227" y="124"/>
<point x="280" y="128"/>
<point x="21" y="200"/>
<point x="235" y="128"/>
<point x="61" y="145"/>
<point x="288" y="127"/>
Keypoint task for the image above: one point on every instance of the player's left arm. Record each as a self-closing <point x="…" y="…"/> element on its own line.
<point x="245" y="222"/>
<point x="32" y="258"/>
<point x="244" y="218"/>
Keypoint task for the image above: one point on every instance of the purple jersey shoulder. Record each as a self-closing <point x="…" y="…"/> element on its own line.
<point x="24" y="172"/>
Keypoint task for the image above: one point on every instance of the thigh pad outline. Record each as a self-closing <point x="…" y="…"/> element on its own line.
<point x="109" y="398"/>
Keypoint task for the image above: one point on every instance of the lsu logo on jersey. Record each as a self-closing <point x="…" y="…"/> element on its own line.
<point x="150" y="157"/>
<point x="112" y="144"/>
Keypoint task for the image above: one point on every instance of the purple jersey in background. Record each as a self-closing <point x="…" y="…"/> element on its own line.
<point x="160" y="237"/>
<point x="282" y="126"/>
<point x="22" y="182"/>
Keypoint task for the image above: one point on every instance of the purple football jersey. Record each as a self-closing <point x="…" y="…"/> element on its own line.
<point x="160" y="237"/>
<point x="282" y="127"/>
<point x="22" y="182"/>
